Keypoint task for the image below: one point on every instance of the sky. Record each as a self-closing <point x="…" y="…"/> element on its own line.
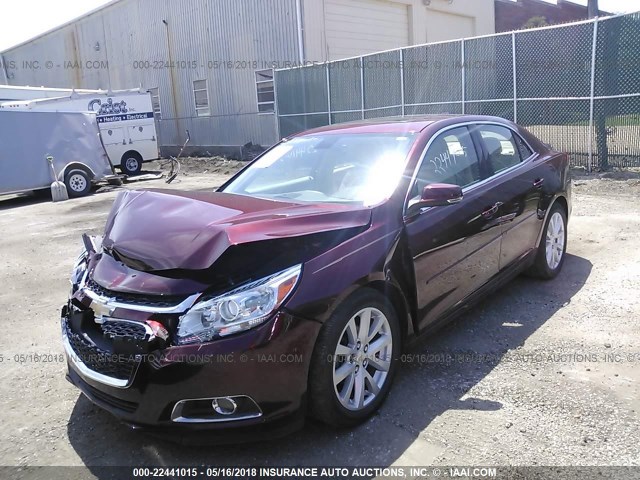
<point x="24" y="19"/>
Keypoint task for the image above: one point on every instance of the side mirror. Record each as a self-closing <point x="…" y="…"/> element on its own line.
<point x="436" y="195"/>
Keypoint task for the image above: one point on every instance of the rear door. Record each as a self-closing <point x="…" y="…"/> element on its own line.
<point x="517" y="185"/>
<point x="455" y="248"/>
<point x="112" y="135"/>
<point x="142" y="133"/>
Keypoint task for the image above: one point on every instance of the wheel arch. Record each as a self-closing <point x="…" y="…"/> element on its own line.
<point x="394" y="279"/>
<point x="392" y="292"/>
<point x="76" y="166"/>
<point x="389" y="288"/>
<point x="560" y="200"/>
<point x="129" y="153"/>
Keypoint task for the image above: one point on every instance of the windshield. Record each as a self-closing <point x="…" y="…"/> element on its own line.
<point x="362" y="168"/>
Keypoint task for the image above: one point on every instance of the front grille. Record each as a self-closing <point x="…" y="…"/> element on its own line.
<point x="121" y="367"/>
<point x="134" y="298"/>
<point x="118" y="403"/>
<point x="121" y="329"/>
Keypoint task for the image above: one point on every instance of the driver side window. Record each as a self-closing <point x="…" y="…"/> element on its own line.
<point x="451" y="158"/>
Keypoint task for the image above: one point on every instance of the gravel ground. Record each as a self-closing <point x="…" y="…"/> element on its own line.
<point x="542" y="373"/>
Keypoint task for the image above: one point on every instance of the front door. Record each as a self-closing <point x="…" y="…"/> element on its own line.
<point x="455" y="248"/>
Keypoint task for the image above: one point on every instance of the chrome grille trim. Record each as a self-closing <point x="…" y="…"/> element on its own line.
<point x="111" y="322"/>
<point x="86" y="372"/>
<point x="110" y="302"/>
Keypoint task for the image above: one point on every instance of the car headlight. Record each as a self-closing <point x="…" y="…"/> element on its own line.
<point x="237" y="310"/>
<point x="79" y="268"/>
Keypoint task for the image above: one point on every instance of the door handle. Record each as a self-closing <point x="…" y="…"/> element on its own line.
<point x="538" y="183"/>
<point x="489" y="214"/>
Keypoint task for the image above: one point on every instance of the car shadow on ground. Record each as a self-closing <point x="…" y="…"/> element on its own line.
<point x="427" y="386"/>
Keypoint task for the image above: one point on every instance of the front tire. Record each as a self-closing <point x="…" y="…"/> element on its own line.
<point x="553" y="245"/>
<point x="354" y="360"/>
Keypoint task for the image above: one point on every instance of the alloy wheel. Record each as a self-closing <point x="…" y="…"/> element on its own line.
<point x="555" y="241"/>
<point x="362" y="359"/>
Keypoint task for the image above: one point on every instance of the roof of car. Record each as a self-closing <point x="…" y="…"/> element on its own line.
<point x="406" y="124"/>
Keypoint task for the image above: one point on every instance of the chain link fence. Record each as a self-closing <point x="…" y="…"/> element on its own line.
<point x="575" y="86"/>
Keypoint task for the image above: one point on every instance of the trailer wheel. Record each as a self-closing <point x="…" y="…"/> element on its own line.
<point x="78" y="183"/>
<point x="131" y="163"/>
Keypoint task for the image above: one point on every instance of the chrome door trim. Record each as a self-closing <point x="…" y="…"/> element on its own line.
<point x="473" y="185"/>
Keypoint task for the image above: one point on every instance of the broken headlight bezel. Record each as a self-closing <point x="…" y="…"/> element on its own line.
<point x="90" y="245"/>
<point x="237" y="310"/>
<point x="79" y="268"/>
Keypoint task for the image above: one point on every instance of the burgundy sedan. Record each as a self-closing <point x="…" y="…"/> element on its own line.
<point x="294" y="287"/>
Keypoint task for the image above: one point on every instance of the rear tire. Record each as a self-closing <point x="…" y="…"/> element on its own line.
<point x="553" y="245"/>
<point x="78" y="183"/>
<point x="131" y="163"/>
<point x="354" y="360"/>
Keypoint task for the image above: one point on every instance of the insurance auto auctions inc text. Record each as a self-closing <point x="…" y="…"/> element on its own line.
<point x="379" y="472"/>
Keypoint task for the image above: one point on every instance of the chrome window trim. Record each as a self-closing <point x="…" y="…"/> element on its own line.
<point x="176" y="413"/>
<point x="474" y="185"/>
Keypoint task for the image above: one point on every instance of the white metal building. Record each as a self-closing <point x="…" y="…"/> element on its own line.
<point x="337" y="29"/>
<point x="208" y="63"/>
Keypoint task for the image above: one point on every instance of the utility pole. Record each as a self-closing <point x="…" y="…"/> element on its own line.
<point x="603" y="107"/>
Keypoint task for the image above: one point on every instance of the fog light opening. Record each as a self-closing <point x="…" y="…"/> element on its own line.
<point x="215" y="409"/>
<point x="224" y="405"/>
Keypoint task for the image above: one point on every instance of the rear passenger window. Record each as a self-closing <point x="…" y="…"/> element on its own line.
<point x="501" y="146"/>
<point x="525" y="151"/>
<point x="451" y="158"/>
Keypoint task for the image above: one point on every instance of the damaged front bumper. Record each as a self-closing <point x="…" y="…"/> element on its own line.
<point x="248" y="381"/>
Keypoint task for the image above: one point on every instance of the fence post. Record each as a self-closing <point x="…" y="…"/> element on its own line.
<point x="362" y="87"/>
<point x="464" y="93"/>
<point x="592" y="100"/>
<point x="326" y="66"/>
<point x="515" y="78"/>
<point x="275" y="104"/>
<point x="402" y="79"/>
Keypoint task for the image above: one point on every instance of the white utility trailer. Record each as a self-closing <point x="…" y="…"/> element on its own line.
<point x="28" y="139"/>
<point x="125" y="118"/>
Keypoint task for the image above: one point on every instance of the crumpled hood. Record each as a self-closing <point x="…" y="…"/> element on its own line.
<point x="155" y="230"/>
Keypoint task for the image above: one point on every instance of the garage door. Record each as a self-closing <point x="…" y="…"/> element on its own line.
<point x="355" y="27"/>
<point x="443" y="26"/>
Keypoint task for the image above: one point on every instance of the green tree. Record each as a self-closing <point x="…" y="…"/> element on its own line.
<point x="537" y="21"/>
